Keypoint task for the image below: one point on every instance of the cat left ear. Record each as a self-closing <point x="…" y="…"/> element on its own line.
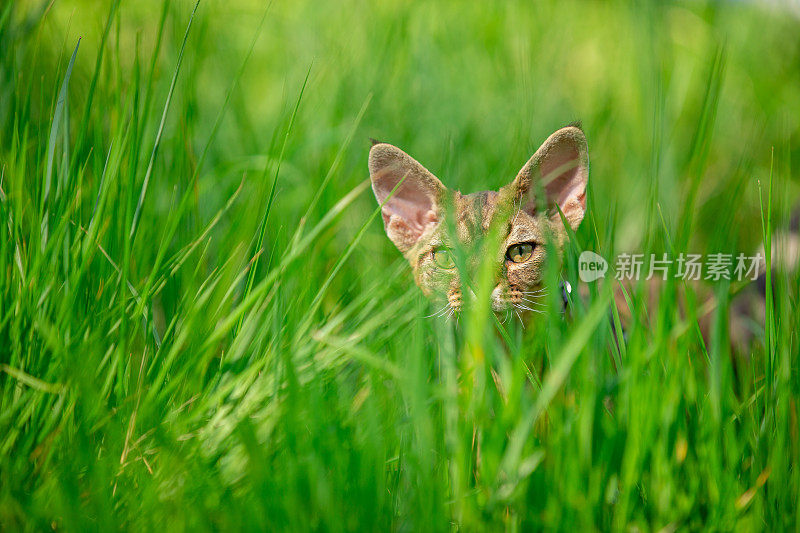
<point x="559" y="168"/>
<point x="415" y="205"/>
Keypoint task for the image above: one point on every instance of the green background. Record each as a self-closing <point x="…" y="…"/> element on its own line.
<point x="203" y="325"/>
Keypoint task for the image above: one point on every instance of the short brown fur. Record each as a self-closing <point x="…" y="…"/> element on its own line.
<point x="415" y="204"/>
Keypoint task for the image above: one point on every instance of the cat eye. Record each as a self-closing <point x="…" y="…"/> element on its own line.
<point x="519" y="253"/>
<point x="443" y="258"/>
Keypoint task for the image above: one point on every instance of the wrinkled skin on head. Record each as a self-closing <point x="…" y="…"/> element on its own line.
<point x="422" y="218"/>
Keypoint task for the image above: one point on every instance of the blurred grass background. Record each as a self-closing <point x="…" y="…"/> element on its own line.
<point x="204" y="326"/>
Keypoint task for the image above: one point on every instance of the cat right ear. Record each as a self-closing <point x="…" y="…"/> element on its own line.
<point x="416" y="204"/>
<point x="560" y="169"/>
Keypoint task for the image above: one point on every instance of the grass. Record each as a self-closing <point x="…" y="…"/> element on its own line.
<point x="203" y="326"/>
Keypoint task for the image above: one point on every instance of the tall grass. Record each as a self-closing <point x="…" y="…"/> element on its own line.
<point x="203" y="326"/>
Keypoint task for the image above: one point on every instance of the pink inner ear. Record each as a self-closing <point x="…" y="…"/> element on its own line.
<point x="562" y="176"/>
<point x="411" y="203"/>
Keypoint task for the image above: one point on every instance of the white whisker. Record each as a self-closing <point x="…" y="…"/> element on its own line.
<point x="440" y="311"/>
<point x="533" y="297"/>
<point x="526" y="308"/>
<point x="532" y="302"/>
<point x="534" y="293"/>
<point x="536" y="298"/>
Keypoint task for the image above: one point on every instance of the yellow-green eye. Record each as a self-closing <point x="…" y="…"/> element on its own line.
<point x="443" y="258"/>
<point x="519" y="253"/>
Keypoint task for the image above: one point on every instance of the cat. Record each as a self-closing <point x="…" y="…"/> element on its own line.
<point x="547" y="196"/>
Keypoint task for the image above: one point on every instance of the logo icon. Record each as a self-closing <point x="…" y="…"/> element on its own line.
<point x="591" y="266"/>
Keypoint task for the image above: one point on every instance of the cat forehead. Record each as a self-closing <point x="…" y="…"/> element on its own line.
<point x="476" y="211"/>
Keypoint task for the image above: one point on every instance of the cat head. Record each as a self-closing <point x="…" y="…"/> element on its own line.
<point x="426" y="220"/>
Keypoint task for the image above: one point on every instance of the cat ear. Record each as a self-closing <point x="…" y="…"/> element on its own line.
<point x="559" y="168"/>
<point x="415" y="205"/>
